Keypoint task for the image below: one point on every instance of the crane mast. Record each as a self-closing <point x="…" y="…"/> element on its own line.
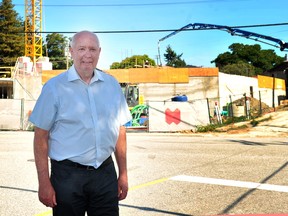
<point x="33" y="29"/>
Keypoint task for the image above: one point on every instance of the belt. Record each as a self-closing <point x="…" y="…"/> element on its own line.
<point x="81" y="166"/>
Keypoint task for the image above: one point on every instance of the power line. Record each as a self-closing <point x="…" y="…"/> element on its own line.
<point x="130" y="5"/>
<point x="151" y="30"/>
<point x="261" y="25"/>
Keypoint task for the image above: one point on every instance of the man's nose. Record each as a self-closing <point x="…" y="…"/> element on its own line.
<point x="88" y="53"/>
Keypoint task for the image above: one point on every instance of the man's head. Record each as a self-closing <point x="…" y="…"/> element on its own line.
<point x="85" y="50"/>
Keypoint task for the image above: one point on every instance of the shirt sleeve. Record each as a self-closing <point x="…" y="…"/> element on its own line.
<point x="45" y="109"/>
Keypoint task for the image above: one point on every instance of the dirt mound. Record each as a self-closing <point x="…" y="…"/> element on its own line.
<point x="255" y="106"/>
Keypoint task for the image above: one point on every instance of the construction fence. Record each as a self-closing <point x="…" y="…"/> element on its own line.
<point x="168" y="116"/>
<point x="14" y="114"/>
<point x="162" y="116"/>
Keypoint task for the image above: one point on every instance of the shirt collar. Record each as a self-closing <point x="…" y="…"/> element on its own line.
<point x="73" y="75"/>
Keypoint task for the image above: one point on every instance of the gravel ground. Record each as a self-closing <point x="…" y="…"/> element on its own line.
<point x="271" y="124"/>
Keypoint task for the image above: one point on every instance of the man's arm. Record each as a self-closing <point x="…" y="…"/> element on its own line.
<point x="120" y="154"/>
<point x="46" y="192"/>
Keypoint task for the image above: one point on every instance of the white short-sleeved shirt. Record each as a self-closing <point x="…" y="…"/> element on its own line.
<point x="83" y="120"/>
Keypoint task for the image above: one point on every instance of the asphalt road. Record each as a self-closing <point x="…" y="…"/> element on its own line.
<point x="169" y="174"/>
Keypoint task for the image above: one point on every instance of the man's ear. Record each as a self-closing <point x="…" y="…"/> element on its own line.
<point x="71" y="52"/>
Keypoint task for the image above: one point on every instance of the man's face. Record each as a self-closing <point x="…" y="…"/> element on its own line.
<point x="85" y="53"/>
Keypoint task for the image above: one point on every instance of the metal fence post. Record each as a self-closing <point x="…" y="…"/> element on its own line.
<point x="207" y="99"/>
<point x="260" y="104"/>
<point x="232" y="114"/>
<point x="245" y="105"/>
<point x="22" y="115"/>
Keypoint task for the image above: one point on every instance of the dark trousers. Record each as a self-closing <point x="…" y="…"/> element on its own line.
<point x="79" y="190"/>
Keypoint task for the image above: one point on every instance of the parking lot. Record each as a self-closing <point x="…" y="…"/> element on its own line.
<point x="169" y="174"/>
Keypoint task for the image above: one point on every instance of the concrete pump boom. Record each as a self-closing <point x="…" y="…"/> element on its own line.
<point x="233" y="31"/>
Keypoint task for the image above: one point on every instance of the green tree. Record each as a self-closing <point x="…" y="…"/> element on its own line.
<point x="173" y="59"/>
<point x="135" y="61"/>
<point x="55" y="47"/>
<point x="11" y="34"/>
<point x="240" y="68"/>
<point x="243" y="58"/>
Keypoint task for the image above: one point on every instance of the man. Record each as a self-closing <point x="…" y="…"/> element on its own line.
<point x="78" y="122"/>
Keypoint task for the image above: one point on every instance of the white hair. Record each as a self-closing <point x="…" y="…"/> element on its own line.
<point x="76" y="36"/>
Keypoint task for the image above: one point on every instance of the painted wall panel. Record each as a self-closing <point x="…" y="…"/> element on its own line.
<point x="177" y="116"/>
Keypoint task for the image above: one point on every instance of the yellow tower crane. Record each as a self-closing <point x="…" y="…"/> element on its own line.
<point x="33" y="29"/>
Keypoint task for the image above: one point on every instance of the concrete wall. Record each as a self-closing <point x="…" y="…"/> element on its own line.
<point x="27" y="87"/>
<point x="14" y="114"/>
<point x="28" y="77"/>
<point x="236" y="86"/>
<point x="177" y="116"/>
<point x="197" y="88"/>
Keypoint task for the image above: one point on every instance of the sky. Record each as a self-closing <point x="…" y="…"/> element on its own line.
<point x="199" y="48"/>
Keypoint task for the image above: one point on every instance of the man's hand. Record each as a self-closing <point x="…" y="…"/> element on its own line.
<point x="46" y="192"/>
<point x="122" y="187"/>
<point x="120" y="155"/>
<point x="47" y="195"/>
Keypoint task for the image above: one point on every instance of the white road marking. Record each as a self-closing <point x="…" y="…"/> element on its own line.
<point x="233" y="183"/>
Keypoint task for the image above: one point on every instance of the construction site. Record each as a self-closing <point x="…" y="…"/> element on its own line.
<point x="161" y="99"/>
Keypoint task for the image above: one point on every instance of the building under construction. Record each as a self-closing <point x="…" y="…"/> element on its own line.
<point x="24" y="79"/>
<point x="202" y="87"/>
